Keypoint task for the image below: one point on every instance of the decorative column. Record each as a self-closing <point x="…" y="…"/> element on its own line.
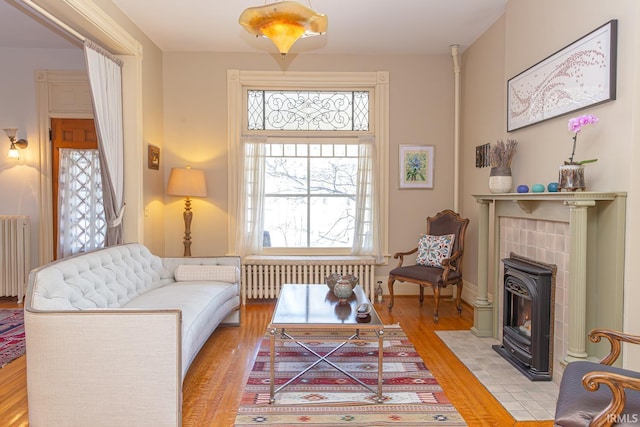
<point x="578" y="280"/>
<point x="482" y="308"/>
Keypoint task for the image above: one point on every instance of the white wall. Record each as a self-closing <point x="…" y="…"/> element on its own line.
<point x="195" y="107"/>
<point x="19" y="179"/>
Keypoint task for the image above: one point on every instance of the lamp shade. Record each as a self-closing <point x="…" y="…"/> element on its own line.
<point x="283" y="23"/>
<point x="13" y="153"/>
<point x="11" y="132"/>
<point x="187" y="182"/>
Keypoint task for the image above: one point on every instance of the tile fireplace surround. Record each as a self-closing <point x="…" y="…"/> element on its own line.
<point x="582" y="233"/>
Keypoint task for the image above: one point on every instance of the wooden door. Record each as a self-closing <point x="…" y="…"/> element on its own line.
<point x="67" y="133"/>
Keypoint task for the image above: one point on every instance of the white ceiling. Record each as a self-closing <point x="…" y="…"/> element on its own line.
<point x="355" y="26"/>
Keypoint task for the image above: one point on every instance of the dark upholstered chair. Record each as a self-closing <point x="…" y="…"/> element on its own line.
<point x="445" y="222"/>
<point x="581" y="400"/>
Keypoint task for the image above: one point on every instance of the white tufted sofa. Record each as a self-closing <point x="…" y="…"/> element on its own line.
<point x="110" y="334"/>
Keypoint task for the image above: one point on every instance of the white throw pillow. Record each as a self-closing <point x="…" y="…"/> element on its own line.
<point x="433" y="249"/>
<point x="217" y="273"/>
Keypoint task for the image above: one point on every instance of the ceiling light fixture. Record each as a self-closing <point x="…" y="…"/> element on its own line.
<point x="283" y="23"/>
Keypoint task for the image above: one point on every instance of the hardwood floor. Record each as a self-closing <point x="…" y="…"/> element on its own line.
<point x="213" y="386"/>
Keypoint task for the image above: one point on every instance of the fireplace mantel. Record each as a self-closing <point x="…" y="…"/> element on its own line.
<point x="528" y="202"/>
<point x="596" y="257"/>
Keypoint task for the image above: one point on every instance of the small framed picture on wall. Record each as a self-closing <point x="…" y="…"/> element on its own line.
<point x="416" y="166"/>
<point x="154" y="157"/>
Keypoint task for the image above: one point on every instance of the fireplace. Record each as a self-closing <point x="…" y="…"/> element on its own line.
<point x="569" y="230"/>
<point x="527" y="323"/>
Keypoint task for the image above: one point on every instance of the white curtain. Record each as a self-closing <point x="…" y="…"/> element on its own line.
<point x="250" y="221"/>
<point x="81" y="219"/>
<point x="105" y="79"/>
<point x="367" y="236"/>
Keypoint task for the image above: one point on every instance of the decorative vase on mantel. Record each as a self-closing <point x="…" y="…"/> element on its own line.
<point x="500" y="180"/>
<point x="571" y="177"/>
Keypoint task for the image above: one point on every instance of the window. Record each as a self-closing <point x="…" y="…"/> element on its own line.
<point x="310" y="194"/>
<point x="306" y="163"/>
<point x="82" y="225"/>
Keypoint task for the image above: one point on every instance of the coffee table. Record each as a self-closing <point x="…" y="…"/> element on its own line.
<point x="313" y="308"/>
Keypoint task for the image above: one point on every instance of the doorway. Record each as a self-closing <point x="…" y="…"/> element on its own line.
<point x="78" y="210"/>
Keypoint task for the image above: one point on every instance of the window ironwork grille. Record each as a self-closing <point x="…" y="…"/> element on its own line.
<point x="83" y="221"/>
<point x="295" y="110"/>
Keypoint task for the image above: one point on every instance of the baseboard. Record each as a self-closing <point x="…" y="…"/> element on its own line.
<point x="469" y="292"/>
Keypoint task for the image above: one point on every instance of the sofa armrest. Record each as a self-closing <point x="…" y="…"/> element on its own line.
<point x="104" y="367"/>
<point x="615" y="339"/>
<point x="617" y="383"/>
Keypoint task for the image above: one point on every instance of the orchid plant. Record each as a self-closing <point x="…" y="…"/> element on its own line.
<point x="575" y="125"/>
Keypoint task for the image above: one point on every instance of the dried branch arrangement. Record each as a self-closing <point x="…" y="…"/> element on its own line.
<point x="501" y="154"/>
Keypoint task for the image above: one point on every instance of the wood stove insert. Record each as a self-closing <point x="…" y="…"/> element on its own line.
<point x="527" y="330"/>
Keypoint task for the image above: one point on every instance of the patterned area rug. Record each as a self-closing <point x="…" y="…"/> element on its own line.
<point x="325" y="397"/>
<point x="12" y="343"/>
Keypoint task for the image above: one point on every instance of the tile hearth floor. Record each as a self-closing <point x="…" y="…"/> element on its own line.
<point x="525" y="400"/>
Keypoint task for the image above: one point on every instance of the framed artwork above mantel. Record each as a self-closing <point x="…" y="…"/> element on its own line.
<point x="580" y="75"/>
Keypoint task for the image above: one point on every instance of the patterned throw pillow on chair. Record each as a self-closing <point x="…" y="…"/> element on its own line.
<point x="433" y="249"/>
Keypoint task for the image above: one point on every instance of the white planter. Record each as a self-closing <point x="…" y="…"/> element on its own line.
<point x="500" y="180"/>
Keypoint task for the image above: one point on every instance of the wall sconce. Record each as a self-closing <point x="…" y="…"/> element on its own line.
<point x="15" y="143"/>
<point x="187" y="182"/>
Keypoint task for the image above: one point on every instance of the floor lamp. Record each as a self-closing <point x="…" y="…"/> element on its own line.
<point x="187" y="182"/>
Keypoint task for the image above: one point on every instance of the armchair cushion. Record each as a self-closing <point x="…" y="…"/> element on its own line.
<point x="577" y="406"/>
<point x="423" y="273"/>
<point x="433" y="249"/>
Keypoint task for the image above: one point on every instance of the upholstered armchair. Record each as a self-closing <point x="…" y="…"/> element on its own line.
<point x="439" y="258"/>
<point x="581" y="400"/>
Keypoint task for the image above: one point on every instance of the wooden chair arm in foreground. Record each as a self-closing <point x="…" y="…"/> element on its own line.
<point x="581" y="400"/>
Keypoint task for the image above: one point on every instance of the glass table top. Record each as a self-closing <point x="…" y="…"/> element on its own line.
<point x="316" y="305"/>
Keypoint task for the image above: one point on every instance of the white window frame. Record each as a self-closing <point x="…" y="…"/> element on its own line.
<point x="238" y="81"/>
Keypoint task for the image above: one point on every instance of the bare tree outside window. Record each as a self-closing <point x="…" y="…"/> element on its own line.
<point x="310" y="195"/>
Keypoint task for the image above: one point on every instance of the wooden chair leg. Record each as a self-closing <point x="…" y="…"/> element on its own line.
<point x="390" y="285"/>
<point x="436" y="297"/>
<point x="421" y="294"/>
<point x="459" y="297"/>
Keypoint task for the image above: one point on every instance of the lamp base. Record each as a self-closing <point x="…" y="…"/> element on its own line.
<point x="188" y="216"/>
